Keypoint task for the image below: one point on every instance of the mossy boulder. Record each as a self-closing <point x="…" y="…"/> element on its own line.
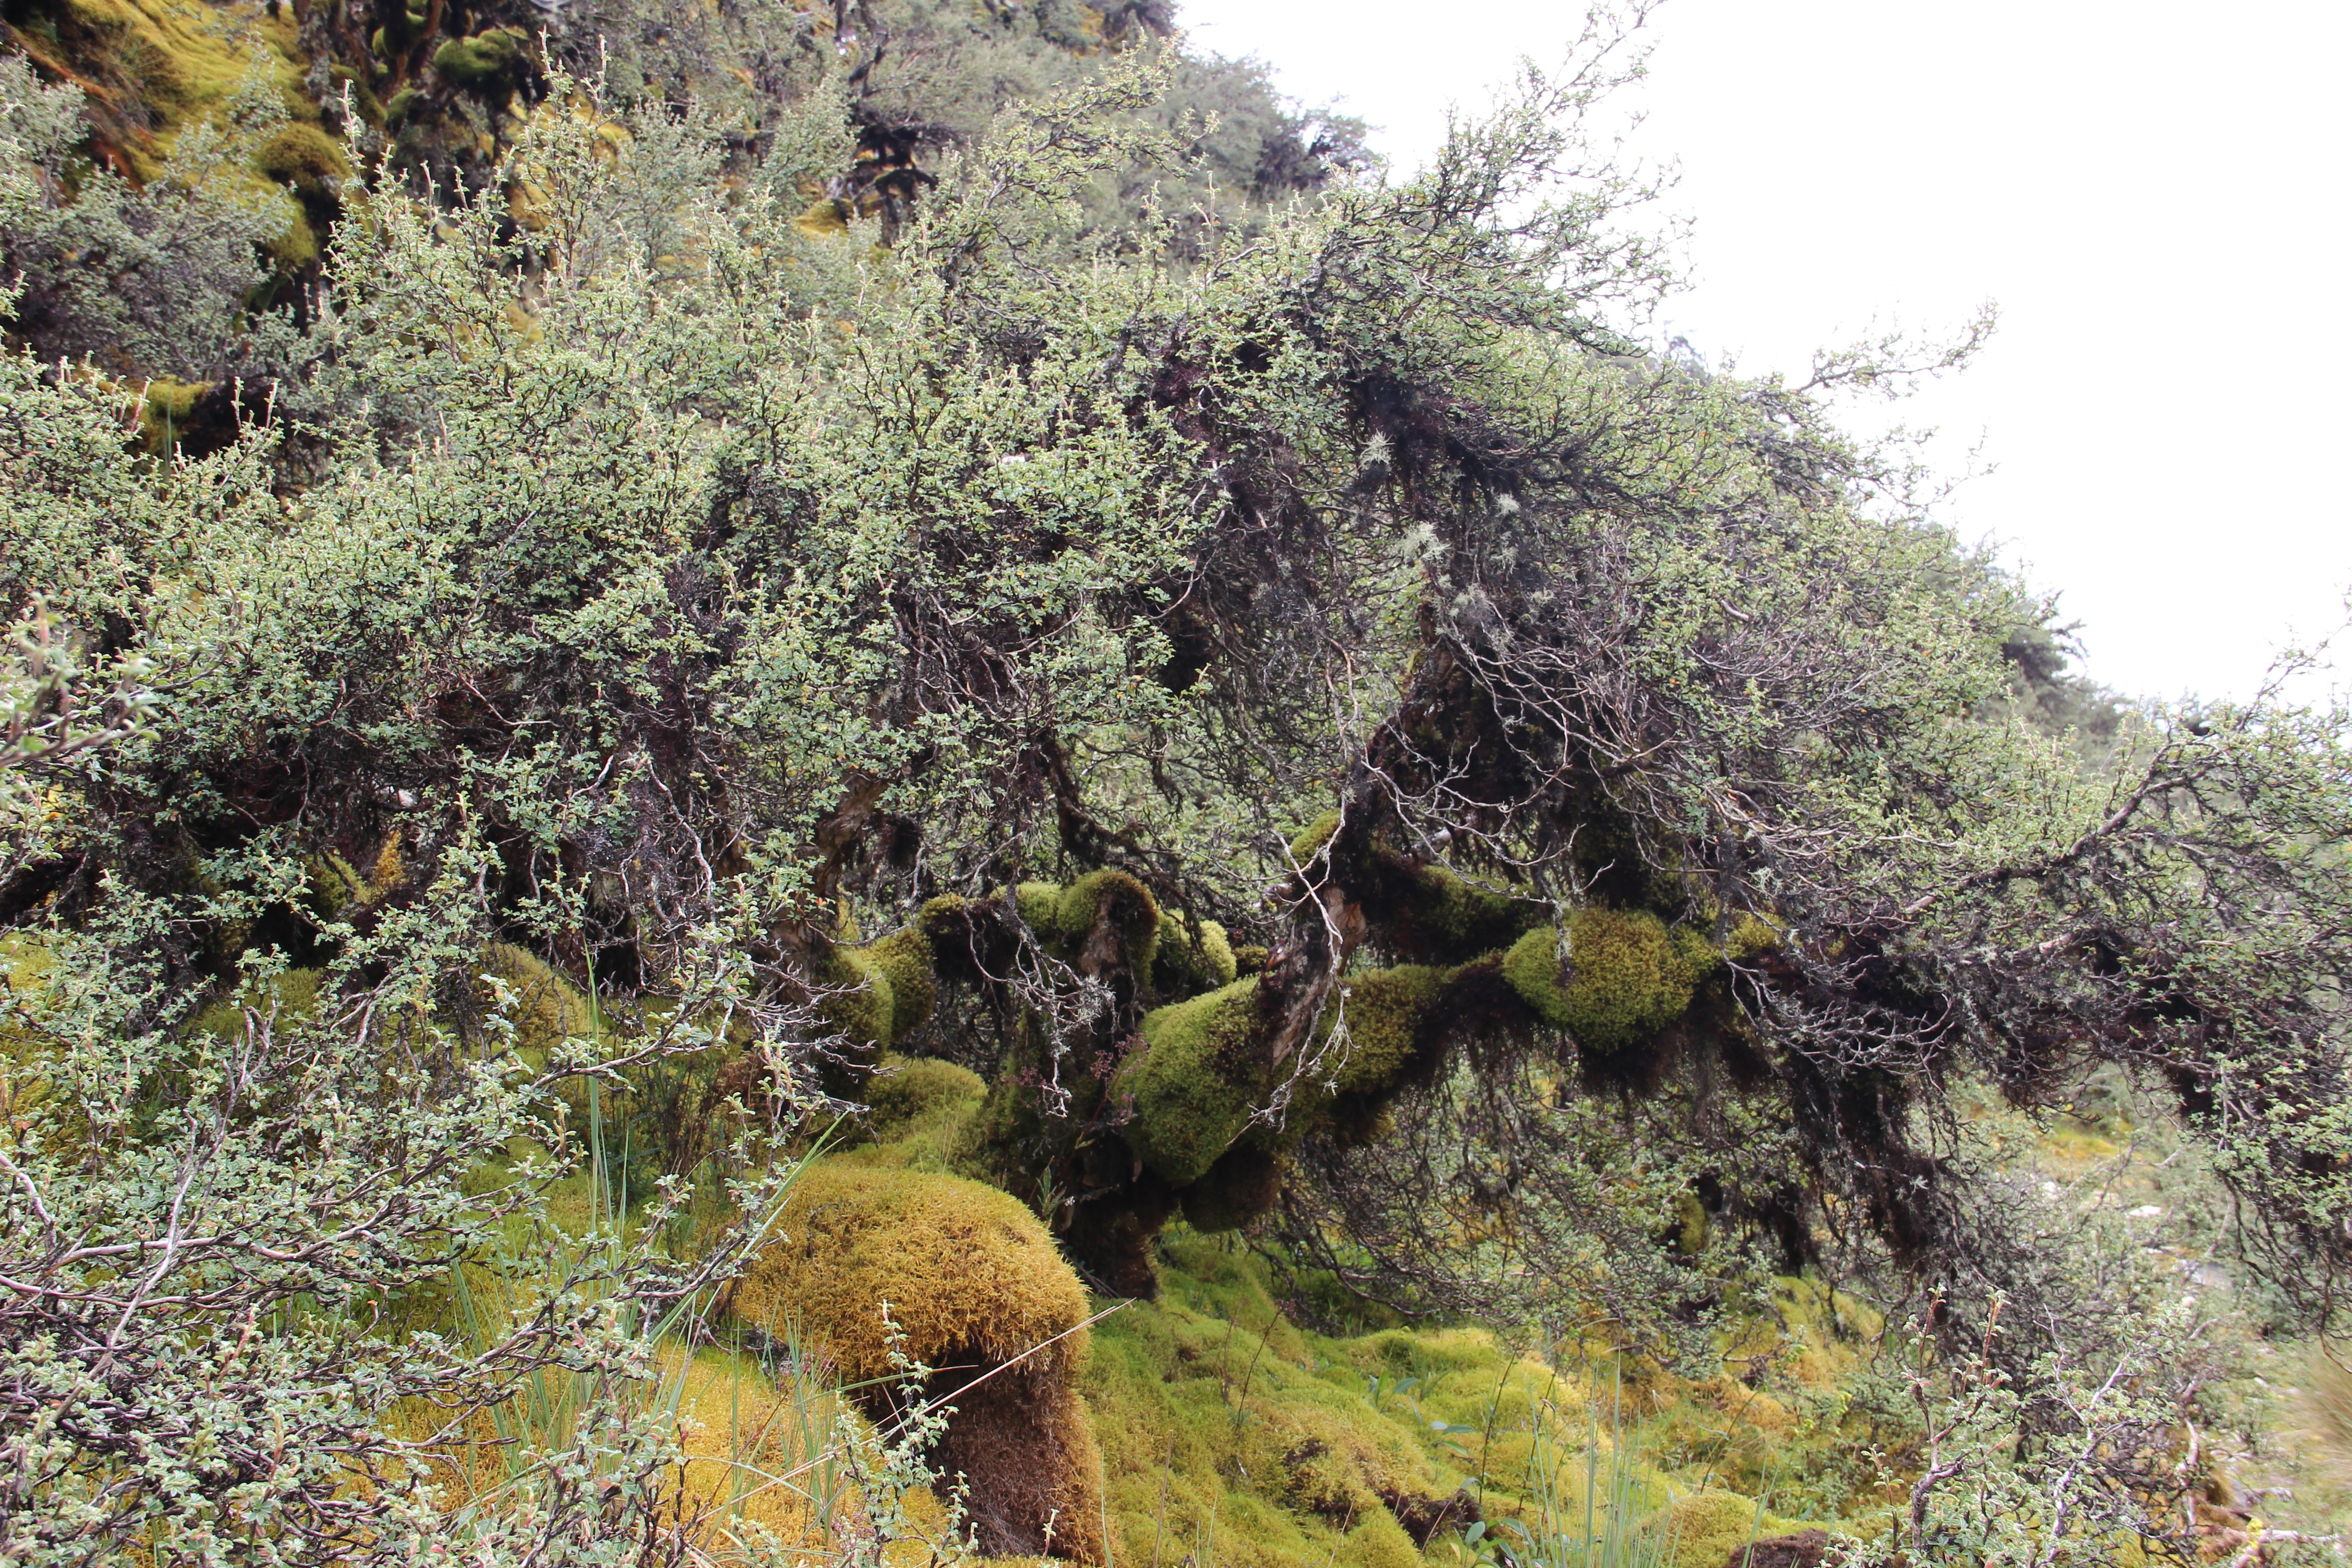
<point x="291" y="996"/>
<point x="853" y="995"/>
<point x="303" y="157"/>
<point x="165" y="408"/>
<point x="966" y="1270"/>
<point x="297" y="247"/>
<point x="26" y="965"/>
<point x="905" y="958"/>
<point x="974" y="1288"/>
<point x="1629" y="976"/>
<point x="1694" y="1227"/>
<point x="1192" y="1087"/>
<point x="543" y="1008"/>
<point x="877" y="993"/>
<point x="905" y="1095"/>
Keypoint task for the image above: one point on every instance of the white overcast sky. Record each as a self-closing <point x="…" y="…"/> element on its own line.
<point x="2155" y="194"/>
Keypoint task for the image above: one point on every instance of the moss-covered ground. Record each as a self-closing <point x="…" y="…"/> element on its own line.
<point x="1232" y="1435"/>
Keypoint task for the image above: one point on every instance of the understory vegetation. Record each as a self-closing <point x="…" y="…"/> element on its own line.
<point x="884" y="782"/>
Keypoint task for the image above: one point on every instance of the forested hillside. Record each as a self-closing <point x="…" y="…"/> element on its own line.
<point x="902" y="782"/>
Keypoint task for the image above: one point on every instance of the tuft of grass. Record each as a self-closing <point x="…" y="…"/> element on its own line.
<point x="1586" y="1509"/>
<point x="2327" y="1411"/>
<point x="766" y="1440"/>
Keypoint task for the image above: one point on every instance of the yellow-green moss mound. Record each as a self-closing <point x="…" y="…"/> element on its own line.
<point x="966" y="1270"/>
<point x="165" y="407"/>
<point x="543" y="1008"/>
<point x="25" y="966"/>
<point x="1703" y="1530"/>
<point x="1231" y="1435"/>
<point x="299" y="152"/>
<point x="288" y="997"/>
<point x="905" y="958"/>
<point x="1188" y="1109"/>
<point x="974" y="1289"/>
<point x="1039" y="905"/>
<point x="916" y="1112"/>
<point x="878" y="994"/>
<point x="1628" y="977"/>
<point x="905" y="1095"/>
<point x="464" y="62"/>
<point x="152" y="67"/>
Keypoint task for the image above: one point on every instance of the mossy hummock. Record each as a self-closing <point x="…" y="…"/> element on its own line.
<point x="288" y="997"/>
<point x="546" y="1009"/>
<point x="1710" y="1529"/>
<point x="469" y="62"/>
<point x="1185" y="1088"/>
<point x="907" y="1094"/>
<point x="962" y="1278"/>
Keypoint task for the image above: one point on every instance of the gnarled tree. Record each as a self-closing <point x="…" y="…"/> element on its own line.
<point x="1257" y="685"/>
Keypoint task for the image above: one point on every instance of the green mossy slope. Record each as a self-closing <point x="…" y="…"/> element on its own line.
<point x="1230" y="1435"/>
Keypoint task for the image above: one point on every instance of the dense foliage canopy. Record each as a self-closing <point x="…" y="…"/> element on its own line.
<point x="1350" y="741"/>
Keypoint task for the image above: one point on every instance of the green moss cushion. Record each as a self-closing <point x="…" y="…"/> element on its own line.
<point x="1188" y="1108"/>
<point x="1629" y="976"/>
